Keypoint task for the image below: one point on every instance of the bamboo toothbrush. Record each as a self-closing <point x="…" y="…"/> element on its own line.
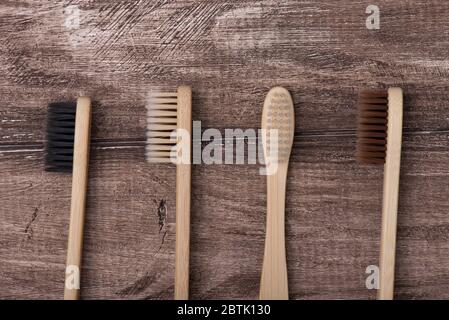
<point x="68" y="137"/>
<point x="168" y="112"/>
<point x="278" y="117"/>
<point x="379" y="139"/>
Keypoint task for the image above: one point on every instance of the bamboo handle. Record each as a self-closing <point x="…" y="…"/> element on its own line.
<point x="79" y="188"/>
<point x="390" y="194"/>
<point x="274" y="282"/>
<point x="183" y="187"/>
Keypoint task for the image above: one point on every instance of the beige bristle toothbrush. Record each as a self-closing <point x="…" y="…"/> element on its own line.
<point x="278" y="117"/>
<point x="67" y="150"/>
<point x="379" y="140"/>
<point x="167" y="112"/>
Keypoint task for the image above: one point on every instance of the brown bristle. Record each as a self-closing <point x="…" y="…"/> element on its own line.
<point x="372" y="127"/>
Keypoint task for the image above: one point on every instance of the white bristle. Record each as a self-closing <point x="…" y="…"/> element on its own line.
<point x="157" y="141"/>
<point x="158" y="100"/>
<point x="159" y="134"/>
<point x="156" y="126"/>
<point x="278" y="114"/>
<point x="163" y="107"/>
<point x="160" y="113"/>
<point x="157" y="94"/>
<point x="161" y="122"/>
<point x="158" y="147"/>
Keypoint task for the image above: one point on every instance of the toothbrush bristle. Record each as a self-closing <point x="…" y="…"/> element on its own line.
<point x="161" y="122"/>
<point x="278" y="114"/>
<point x="60" y="136"/>
<point x="372" y="127"/>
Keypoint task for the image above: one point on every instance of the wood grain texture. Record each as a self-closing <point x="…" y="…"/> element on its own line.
<point x="231" y="53"/>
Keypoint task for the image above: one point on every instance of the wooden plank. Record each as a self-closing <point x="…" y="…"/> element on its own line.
<point x="231" y="52"/>
<point x="333" y="220"/>
<point x="122" y="233"/>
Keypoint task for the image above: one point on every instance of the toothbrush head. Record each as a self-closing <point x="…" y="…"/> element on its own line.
<point x="166" y="113"/>
<point x="372" y="127"/>
<point x="278" y="125"/>
<point x="60" y="136"/>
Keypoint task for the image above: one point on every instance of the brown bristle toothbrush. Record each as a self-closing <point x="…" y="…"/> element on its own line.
<point x="168" y="112"/>
<point x="278" y="117"/>
<point x="379" y="140"/>
<point x="67" y="149"/>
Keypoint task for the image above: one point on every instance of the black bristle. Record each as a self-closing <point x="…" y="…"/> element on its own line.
<point x="60" y="136"/>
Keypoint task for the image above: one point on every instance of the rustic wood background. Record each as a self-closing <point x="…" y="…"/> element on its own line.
<point x="231" y="52"/>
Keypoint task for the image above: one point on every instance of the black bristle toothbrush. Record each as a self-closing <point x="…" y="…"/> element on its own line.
<point x="67" y="149"/>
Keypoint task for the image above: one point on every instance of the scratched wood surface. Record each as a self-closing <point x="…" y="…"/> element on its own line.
<point x="231" y="52"/>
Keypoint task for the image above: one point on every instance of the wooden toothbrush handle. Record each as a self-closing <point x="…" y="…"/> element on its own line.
<point x="274" y="282"/>
<point x="390" y="194"/>
<point x="78" y="204"/>
<point x="183" y="188"/>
